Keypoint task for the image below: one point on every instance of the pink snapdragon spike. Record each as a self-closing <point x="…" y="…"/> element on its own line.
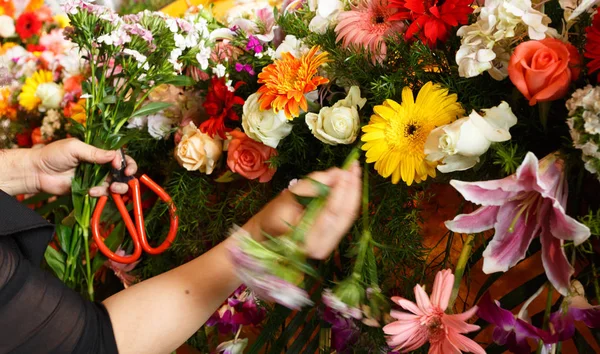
<point x="510" y="330"/>
<point x="529" y="203"/>
<point x="428" y="322"/>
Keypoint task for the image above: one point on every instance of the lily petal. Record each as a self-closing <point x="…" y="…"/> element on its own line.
<point x="564" y="227"/>
<point x="511" y="240"/>
<point x="478" y="221"/>
<point x="558" y="269"/>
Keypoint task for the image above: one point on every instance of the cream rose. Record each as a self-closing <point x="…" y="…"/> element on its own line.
<point x="265" y="126"/>
<point x="338" y="124"/>
<point x="458" y="146"/>
<point x="51" y="95"/>
<point x="7" y="26"/>
<point x="197" y="151"/>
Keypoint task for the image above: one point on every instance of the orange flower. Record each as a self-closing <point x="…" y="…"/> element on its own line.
<point x="7" y="7"/>
<point x="7" y="109"/>
<point x="76" y="111"/>
<point x="287" y="81"/>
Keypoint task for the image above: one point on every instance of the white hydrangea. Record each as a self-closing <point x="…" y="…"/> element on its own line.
<point x="584" y="125"/>
<point x="485" y="44"/>
<point x="50" y="124"/>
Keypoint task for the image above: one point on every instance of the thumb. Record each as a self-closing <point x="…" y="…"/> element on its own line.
<point x="87" y="153"/>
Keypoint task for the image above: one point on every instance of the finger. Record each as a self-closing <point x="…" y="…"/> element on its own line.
<point x="87" y="153"/>
<point x="306" y="187"/>
<point x="338" y="216"/>
<point x="99" y="191"/>
<point x="119" y="188"/>
<point x="131" y="166"/>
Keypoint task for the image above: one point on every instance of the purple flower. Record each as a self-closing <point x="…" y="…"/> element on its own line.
<point x="577" y="309"/>
<point x="254" y="45"/>
<point x="241" y="309"/>
<point x="235" y="346"/>
<point x="333" y="302"/>
<point x="520" y="207"/>
<point x="510" y="330"/>
<point x="137" y="29"/>
<point x="344" y="332"/>
<point x="239" y="67"/>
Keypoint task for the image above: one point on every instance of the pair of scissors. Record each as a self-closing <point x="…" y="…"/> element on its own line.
<point x="137" y="230"/>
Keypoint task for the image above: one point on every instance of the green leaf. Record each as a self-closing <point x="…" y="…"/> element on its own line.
<point x="64" y="235"/>
<point x="40" y="197"/>
<point x="227" y="177"/>
<point x="111" y="99"/>
<point x="180" y="80"/>
<point x="56" y="261"/>
<point x="50" y="207"/>
<point x="151" y="108"/>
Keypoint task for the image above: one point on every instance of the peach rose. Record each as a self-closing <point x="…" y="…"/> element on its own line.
<point x="543" y="70"/>
<point x="249" y="158"/>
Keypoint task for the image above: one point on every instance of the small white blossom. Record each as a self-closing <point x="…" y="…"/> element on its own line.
<point x="139" y="57"/>
<point x="220" y="70"/>
<point x="174" y="59"/>
<point x="172" y="25"/>
<point x="203" y="56"/>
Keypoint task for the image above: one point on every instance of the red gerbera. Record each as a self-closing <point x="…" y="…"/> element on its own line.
<point x="28" y="25"/>
<point x="35" y="48"/>
<point x="592" y="45"/>
<point x="431" y="20"/>
<point x="219" y="104"/>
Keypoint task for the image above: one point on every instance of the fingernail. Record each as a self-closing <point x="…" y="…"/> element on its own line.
<point x="94" y="193"/>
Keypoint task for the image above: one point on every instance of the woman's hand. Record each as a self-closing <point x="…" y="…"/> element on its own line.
<point x="51" y="168"/>
<point x="331" y="225"/>
<point x="56" y="163"/>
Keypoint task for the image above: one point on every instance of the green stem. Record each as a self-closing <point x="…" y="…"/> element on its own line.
<point x="460" y="269"/>
<point x="596" y="285"/>
<point x="548" y="307"/>
<point x="86" y="235"/>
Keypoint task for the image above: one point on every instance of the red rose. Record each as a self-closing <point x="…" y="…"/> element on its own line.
<point x="249" y="158"/>
<point x="28" y="25"/>
<point x="543" y="70"/>
<point x="219" y="105"/>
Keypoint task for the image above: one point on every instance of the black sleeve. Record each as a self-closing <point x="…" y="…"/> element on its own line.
<point x="38" y="313"/>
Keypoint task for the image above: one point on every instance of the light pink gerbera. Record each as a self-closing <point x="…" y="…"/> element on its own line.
<point x="367" y="26"/>
<point x="429" y="322"/>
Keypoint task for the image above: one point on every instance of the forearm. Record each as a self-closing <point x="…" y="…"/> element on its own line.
<point x="17" y="175"/>
<point x="160" y="314"/>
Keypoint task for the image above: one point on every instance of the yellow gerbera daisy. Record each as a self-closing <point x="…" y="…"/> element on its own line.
<point x="28" y="98"/>
<point x="286" y="81"/>
<point x="395" y="137"/>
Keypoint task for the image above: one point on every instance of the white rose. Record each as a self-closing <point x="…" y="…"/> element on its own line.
<point x="327" y="12"/>
<point x="458" y="145"/>
<point x="51" y="95"/>
<point x="291" y="45"/>
<point x="264" y="126"/>
<point x="197" y="151"/>
<point x="338" y="124"/>
<point x="7" y="26"/>
<point x="335" y="125"/>
<point x="159" y="126"/>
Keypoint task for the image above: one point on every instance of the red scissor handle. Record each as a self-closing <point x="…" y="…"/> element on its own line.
<point x="137" y="230"/>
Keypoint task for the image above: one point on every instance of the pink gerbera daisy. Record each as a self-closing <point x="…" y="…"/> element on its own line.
<point x="367" y="26"/>
<point x="428" y="322"/>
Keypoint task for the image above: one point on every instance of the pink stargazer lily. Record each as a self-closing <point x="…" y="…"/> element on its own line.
<point x="428" y="322"/>
<point x="529" y="203"/>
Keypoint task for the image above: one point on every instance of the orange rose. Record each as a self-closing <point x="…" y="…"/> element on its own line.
<point x="249" y="158"/>
<point x="543" y="70"/>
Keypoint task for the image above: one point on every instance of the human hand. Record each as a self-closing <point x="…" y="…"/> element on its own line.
<point x="334" y="221"/>
<point x="54" y="166"/>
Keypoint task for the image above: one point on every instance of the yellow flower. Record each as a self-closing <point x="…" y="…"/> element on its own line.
<point x="78" y="111"/>
<point x="395" y="137"/>
<point x="6" y="46"/>
<point x="287" y="81"/>
<point x="7" y="109"/>
<point x="61" y="20"/>
<point x="28" y="98"/>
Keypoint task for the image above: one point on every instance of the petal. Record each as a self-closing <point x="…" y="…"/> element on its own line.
<point x="457" y="163"/>
<point x="589" y="316"/>
<point x="442" y="289"/>
<point x="494" y="192"/>
<point x="480" y="220"/>
<point x="564" y="227"/>
<point x="465" y="344"/>
<point x="563" y="325"/>
<point x="455" y="323"/>
<point x="422" y="298"/>
<point x="514" y="232"/>
<point x="408" y="305"/>
<point x="558" y="269"/>
<point x="501" y="336"/>
<point x="491" y="312"/>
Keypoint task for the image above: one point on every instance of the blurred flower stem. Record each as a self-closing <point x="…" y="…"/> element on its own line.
<point x="465" y="254"/>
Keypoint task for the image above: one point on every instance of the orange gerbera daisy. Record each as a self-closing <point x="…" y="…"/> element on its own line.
<point x="7" y="108"/>
<point x="286" y="81"/>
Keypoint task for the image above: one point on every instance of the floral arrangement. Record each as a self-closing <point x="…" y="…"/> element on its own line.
<point x="41" y="77"/>
<point x="495" y="100"/>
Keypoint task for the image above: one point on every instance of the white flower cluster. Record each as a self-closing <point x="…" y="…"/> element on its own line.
<point x="50" y="124"/>
<point x="584" y="124"/>
<point x="486" y="44"/>
<point x="191" y="32"/>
